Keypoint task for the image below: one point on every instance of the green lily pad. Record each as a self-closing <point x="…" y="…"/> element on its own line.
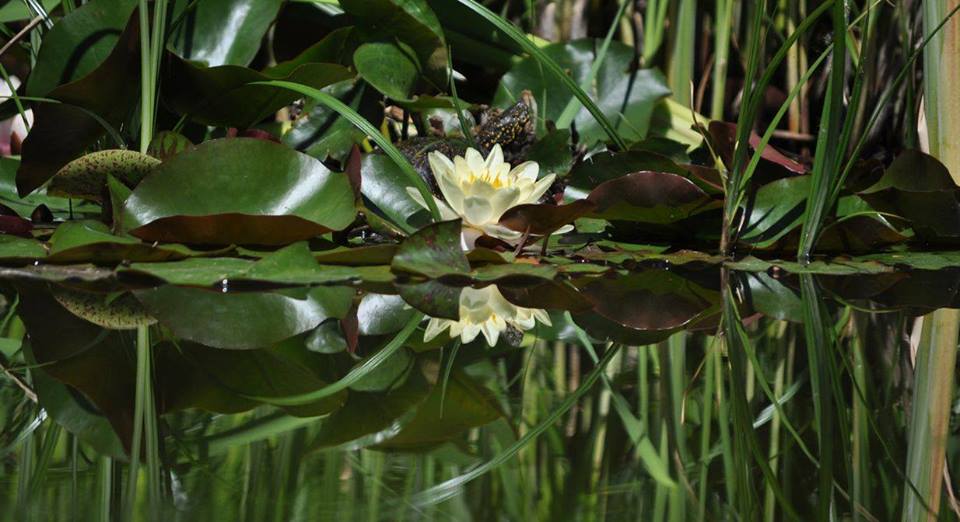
<point x="17" y="249"/>
<point x="168" y="143"/>
<point x="219" y="380"/>
<point x="367" y="417"/>
<point x="649" y="197"/>
<point x="433" y="251"/>
<point x="433" y="298"/>
<point x="239" y="320"/>
<point x="776" y="210"/>
<point x="380" y="314"/>
<point x="384" y="185"/>
<point x="606" y="166"/>
<point x="92" y="242"/>
<point x="241" y="191"/>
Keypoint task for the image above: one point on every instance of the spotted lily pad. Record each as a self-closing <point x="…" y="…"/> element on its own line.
<point x="86" y="177"/>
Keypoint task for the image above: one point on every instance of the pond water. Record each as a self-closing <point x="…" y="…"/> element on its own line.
<point x="604" y="393"/>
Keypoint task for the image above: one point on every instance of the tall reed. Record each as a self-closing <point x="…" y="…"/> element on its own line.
<point x="937" y="352"/>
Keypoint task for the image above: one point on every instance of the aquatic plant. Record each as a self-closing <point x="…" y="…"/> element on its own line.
<point x="484" y="260"/>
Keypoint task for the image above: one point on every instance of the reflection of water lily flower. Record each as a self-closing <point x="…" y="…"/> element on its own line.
<point x="479" y="190"/>
<point x="486" y="311"/>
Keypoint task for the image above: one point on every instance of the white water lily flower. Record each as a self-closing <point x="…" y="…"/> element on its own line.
<point x="486" y="311"/>
<point x="480" y="190"/>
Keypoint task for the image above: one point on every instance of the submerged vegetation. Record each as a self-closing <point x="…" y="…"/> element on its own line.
<point x="463" y="259"/>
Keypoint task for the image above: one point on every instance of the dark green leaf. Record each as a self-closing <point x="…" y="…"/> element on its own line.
<point x="238" y="320"/>
<point x="90" y="107"/>
<point x="391" y="68"/>
<point x="222" y="32"/>
<point x="409" y="21"/>
<point x="222" y="96"/>
<point x="241" y="191"/>
<point x="447" y="412"/>
<point x="624" y="94"/>
<point x="78" y="43"/>
<point x="433" y="251"/>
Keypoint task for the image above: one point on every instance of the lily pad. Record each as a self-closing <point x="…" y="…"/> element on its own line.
<point x="606" y="166"/>
<point x="168" y="143"/>
<point x="369" y="417"/>
<point x="111" y="311"/>
<point x="384" y="185"/>
<point x="649" y="197"/>
<point x="86" y="177"/>
<point x="241" y="191"/>
<point x="433" y="251"/>
<point x="92" y="242"/>
<point x="239" y="320"/>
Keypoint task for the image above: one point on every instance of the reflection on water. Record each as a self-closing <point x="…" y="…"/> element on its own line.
<point x="596" y="396"/>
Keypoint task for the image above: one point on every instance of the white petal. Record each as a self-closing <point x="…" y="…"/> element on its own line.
<point x="434" y="328"/>
<point x="469" y="333"/>
<point x="477" y="211"/>
<point x="491" y="333"/>
<point x="494" y="159"/>
<point x="527" y="170"/>
<point x="501" y="232"/>
<point x="541" y="315"/>
<point x="415" y="195"/>
<point x="503" y="200"/>
<point x="446" y="213"/>
<point x="539" y="188"/>
<point x="468" y="238"/>
<point x="524" y="322"/>
<point x="563" y="230"/>
<point x="440" y="164"/>
<point x="475" y="161"/>
<point x="449" y="183"/>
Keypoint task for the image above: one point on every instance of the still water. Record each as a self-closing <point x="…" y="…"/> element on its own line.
<point x="662" y="392"/>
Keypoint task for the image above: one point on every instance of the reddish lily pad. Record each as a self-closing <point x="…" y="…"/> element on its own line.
<point x="649" y="197"/>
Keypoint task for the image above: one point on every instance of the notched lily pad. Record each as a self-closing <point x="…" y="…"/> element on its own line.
<point x="86" y="177"/>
